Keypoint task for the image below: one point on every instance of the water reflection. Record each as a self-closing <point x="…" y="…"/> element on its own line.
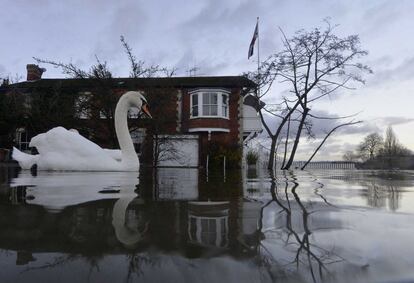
<point x="57" y="190"/>
<point x="294" y="225"/>
<point x="179" y="225"/>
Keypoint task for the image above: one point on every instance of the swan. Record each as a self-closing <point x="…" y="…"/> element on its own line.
<point x="65" y="150"/>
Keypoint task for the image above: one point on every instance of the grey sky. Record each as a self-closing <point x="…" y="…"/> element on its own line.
<point x="214" y="35"/>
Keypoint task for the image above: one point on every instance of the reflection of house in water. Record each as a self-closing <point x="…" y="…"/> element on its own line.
<point x="68" y="213"/>
<point x="209" y="223"/>
<point x="219" y="224"/>
<point x="176" y="183"/>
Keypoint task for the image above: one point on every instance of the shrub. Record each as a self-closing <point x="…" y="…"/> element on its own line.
<point x="232" y="153"/>
<point x="251" y="157"/>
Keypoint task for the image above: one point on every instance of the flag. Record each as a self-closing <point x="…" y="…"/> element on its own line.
<point x="255" y="35"/>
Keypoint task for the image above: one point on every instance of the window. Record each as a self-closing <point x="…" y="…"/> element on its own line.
<point x="224" y="105"/>
<point x="194" y="110"/>
<point x="209" y="231"/>
<point x="210" y="103"/>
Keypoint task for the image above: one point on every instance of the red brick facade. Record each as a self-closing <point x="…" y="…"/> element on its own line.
<point x="169" y="100"/>
<point x="214" y="138"/>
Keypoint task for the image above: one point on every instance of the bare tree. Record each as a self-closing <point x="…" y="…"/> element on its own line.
<point x="370" y="146"/>
<point x="392" y="146"/>
<point x="139" y="69"/>
<point x="314" y="64"/>
<point x="99" y="105"/>
<point x="162" y="126"/>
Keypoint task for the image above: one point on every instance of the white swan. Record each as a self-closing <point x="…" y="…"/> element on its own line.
<point x="60" y="149"/>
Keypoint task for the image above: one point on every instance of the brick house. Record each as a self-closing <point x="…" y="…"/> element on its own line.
<point x="201" y="118"/>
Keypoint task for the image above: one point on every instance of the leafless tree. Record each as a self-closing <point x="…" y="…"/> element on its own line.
<point x="370" y="146"/>
<point x="391" y="145"/>
<point x="314" y="64"/>
<point x="99" y="105"/>
<point x="139" y="69"/>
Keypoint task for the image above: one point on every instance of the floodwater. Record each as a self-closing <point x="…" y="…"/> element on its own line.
<point x="179" y="225"/>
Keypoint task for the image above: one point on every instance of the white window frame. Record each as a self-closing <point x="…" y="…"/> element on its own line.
<point x="220" y="94"/>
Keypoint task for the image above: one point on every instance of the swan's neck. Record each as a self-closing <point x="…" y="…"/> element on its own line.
<point x="129" y="156"/>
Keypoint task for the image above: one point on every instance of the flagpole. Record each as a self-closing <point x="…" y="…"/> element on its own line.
<point x="258" y="56"/>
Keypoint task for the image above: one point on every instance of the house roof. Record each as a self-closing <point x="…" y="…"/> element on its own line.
<point x="176" y="82"/>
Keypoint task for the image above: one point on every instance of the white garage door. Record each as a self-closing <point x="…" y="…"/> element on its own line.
<point x="179" y="151"/>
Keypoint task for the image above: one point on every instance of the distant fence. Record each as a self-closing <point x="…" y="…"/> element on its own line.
<point x="263" y="153"/>
<point x="329" y="165"/>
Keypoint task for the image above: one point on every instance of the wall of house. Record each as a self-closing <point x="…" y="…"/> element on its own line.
<point x="171" y="115"/>
<point x="215" y="143"/>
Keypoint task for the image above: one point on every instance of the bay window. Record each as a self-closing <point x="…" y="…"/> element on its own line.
<point x="209" y="103"/>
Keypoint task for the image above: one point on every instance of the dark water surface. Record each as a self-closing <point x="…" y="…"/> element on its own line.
<point x="180" y="226"/>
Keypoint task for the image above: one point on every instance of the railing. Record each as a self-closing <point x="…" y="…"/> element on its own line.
<point x="330" y="165"/>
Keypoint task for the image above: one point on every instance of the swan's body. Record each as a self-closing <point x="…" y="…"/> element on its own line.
<point x="60" y="149"/>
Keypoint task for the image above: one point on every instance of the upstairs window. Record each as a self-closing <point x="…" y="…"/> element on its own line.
<point x="224" y="105"/>
<point x="194" y="106"/>
<point x="209" y="103"/>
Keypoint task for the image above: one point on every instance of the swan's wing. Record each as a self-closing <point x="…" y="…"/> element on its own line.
<point x="60" y="149"/>
<point x="59" y="140"/>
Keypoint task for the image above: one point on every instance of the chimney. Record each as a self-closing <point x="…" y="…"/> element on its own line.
<point x="34" y="73"/>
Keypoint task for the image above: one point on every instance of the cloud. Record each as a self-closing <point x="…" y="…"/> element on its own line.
<point x="395" y="120"/>
<point x="399" y="73"/>
<point x="320" y="127"/>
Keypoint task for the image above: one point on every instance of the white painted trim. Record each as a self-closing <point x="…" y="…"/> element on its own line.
<point x="209" y="117"/>
<point x="181" y="137"/>
<point x="210" y="90"/>
<point x="210" y="130"/>
<point x="220" y="93"/>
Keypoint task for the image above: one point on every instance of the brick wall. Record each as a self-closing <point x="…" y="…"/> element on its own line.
<point x="229" y="140"/>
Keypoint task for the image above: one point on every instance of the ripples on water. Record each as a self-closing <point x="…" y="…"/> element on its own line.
<point x="178" y="225"/>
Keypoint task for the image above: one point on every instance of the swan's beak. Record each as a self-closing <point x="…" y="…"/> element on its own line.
<point x="145" y="109"/>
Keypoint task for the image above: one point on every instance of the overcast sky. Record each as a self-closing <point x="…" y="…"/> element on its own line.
<point x="214" y="35"/>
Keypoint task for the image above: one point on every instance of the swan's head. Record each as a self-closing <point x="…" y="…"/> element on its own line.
<point x="144" y="106"/>
<point x="136" y="99"/>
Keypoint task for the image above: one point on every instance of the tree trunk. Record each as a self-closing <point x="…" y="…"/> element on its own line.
<point x="270" y="164"/>
<point x="295" y="145"/>
<point x="276" y="135"/>
<point x="286" y="144"/>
